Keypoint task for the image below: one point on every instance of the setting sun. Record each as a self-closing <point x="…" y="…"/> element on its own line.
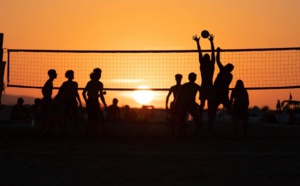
<point x="143" y="96"/>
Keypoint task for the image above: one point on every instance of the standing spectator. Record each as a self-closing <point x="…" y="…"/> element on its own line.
<point x="35" y="111"/>
<point x="19" y="112"/>
<point x="130" y="115"/>
<point x="113" y="111"/>
<point x="278" y="106"/>
<point x="239" y="100"/>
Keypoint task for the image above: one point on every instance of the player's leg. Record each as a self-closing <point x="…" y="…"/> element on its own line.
<point x="194" y="111"/>
<point x="182" y="124"/>
<point x="212" y="112"/>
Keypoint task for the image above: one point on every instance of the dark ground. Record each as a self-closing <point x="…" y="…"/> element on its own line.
<point x="145" y="154"/>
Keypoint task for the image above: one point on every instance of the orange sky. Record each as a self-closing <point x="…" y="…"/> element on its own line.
<point x="155" y="24"/>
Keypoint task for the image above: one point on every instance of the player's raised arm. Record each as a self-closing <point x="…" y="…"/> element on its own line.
<point x="197" y="39"/>
<point x="211" y="39"/>
<point x="218" y="59"/>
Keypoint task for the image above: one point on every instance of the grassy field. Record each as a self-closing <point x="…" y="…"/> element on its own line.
<point x="146" y="154"/>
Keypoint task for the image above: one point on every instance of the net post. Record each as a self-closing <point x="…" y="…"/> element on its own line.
<point x="1" y="45"/>
<point x="2" y="67"/>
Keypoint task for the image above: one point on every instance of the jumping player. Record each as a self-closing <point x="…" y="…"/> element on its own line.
<point x="221" y="90"/>
<point x="207" y="68"/>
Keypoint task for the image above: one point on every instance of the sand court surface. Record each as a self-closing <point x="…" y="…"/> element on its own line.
<point x="146" y="154"/>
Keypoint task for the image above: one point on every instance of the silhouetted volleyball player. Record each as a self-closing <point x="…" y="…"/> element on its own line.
<point x="47" y="97"/>
<point x="174" y="90"/>
<point x="187" y="104"/>
<point x="239" y="100"/>
<point x="91" y="93"/>
<point x="207" y="68"/>
<point x="56" y="115"/>
<point x="221" y="90"/>
<point x="70" y="96"/>
<point x="171" y="113"/>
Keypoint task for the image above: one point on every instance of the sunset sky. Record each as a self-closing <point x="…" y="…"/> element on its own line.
<point x="151" y="25"/>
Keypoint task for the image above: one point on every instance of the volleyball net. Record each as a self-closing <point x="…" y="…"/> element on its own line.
<point x="268" y="68"/>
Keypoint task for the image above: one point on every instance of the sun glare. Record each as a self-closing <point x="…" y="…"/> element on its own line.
<point x="143" y="96"/>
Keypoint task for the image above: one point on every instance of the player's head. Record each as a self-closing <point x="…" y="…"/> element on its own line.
<point x="97" y="72"/>
<point x="69" y="74"/>
<point x="37" y="101"/>
<point x="206" y="58"/>
<point x="229" y="67"/>
<point x="52" y="73"/>
<point x="20" y="100"/>
<point x="192" y="77"/>
<point x="178" y="77"/>
<point x="239" y="84"/>
<point x="92" y="76"/>
<point x="115" y="101"/>
<point x="127" y="108"/>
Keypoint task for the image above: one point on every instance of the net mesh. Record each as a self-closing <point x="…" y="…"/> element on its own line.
<point x="125" y="70"/>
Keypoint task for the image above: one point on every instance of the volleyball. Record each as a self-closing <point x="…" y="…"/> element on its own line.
<point x="205" y="34"/>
